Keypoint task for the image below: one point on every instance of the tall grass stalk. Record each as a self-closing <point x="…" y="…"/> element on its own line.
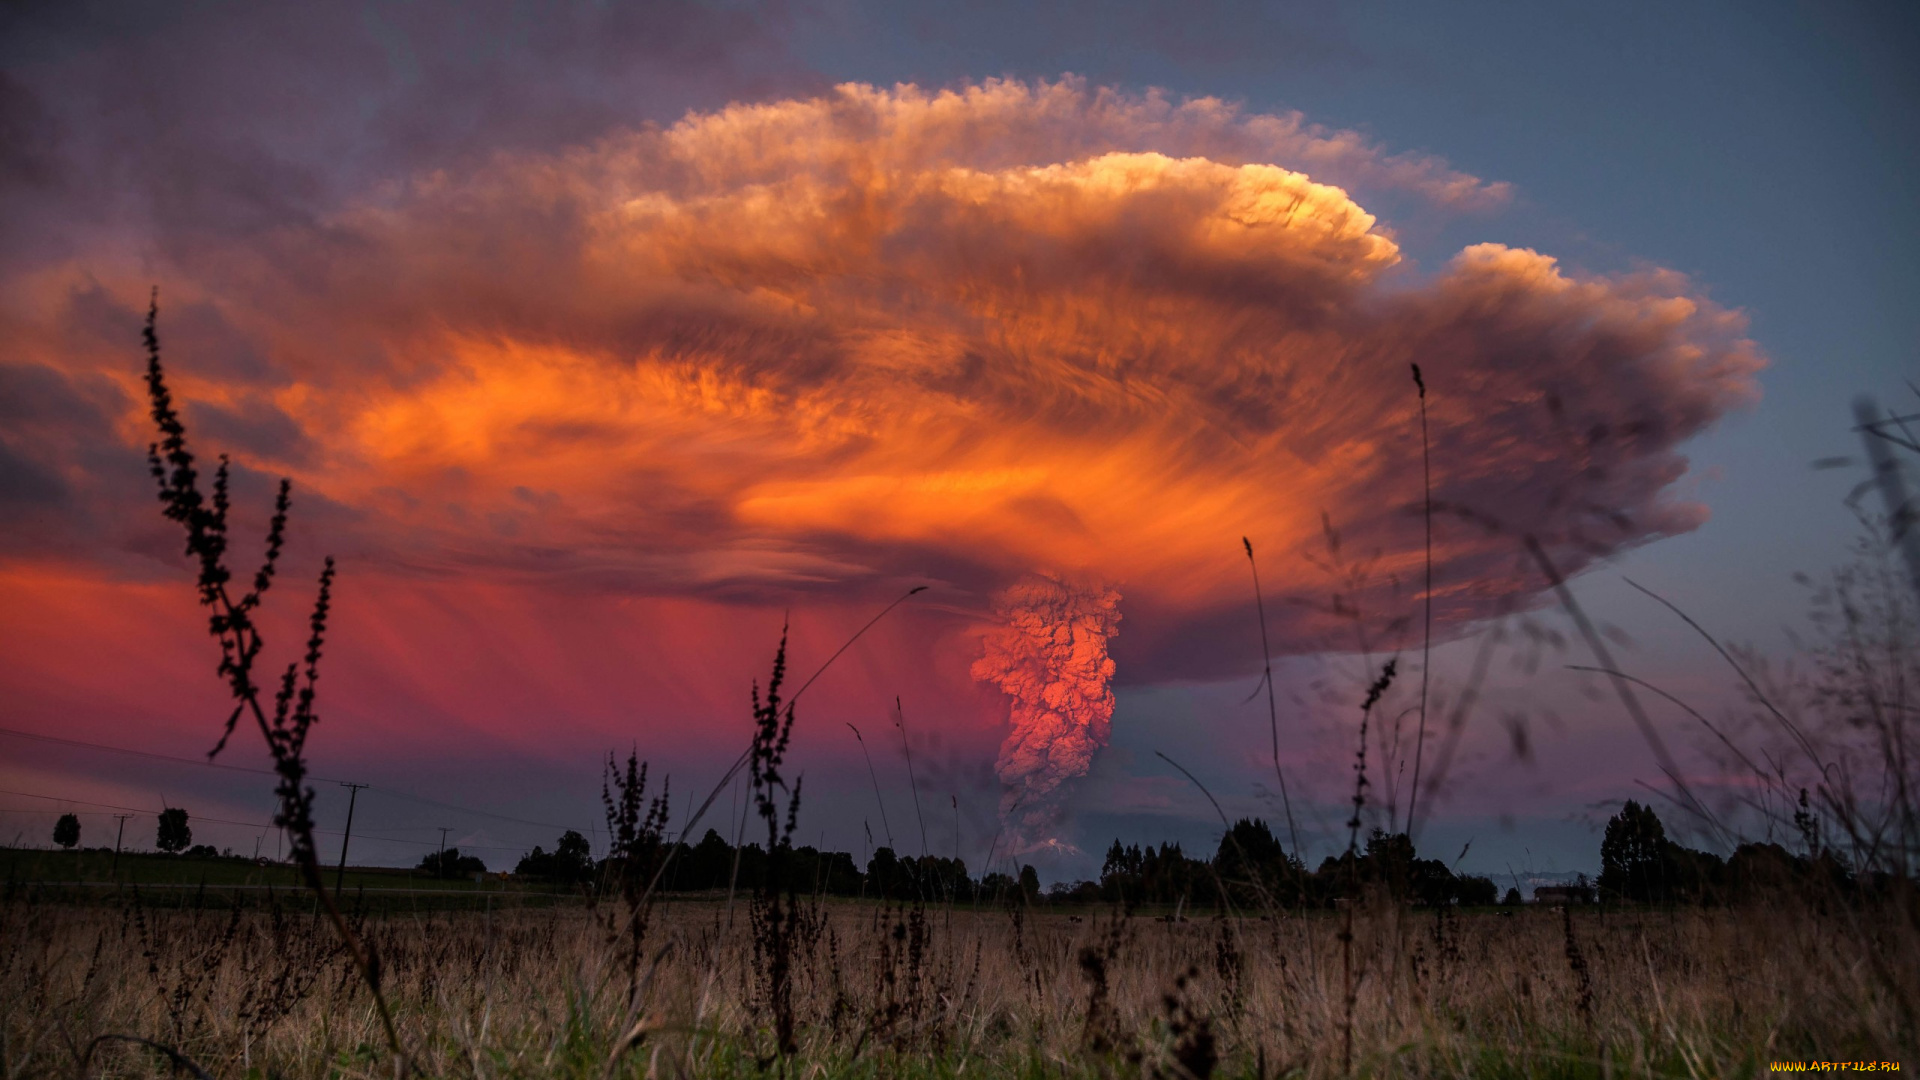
<point x="1273" y="710"/>
<point x="1426" y="637"/>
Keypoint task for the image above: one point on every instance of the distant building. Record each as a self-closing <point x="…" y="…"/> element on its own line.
<point x="1563" y="894"/>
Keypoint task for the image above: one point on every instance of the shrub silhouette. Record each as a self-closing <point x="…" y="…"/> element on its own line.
<point x="66" y="831"/>
<point x="1029" y="883"/>
<point x="451" y="864"/>
<point x="174" y="835"/>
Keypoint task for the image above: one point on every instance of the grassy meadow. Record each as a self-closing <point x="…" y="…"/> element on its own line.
<point x="886" y="990"/>
<point x="98" y="868"/>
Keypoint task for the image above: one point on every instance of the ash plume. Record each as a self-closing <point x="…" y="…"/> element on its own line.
<point x="1050" y="656"/>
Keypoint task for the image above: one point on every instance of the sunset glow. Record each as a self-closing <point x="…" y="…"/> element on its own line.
<point x="829" y="347"/>
<point x="1123" y="538"/>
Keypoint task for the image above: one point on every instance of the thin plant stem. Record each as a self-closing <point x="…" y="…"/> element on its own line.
<point x="900" y="721"/>
<point x="1622" y="688"/>
<point x="875" y="776"/>
<point x="1426" y="640"/>
<point x="1273" y="710"/>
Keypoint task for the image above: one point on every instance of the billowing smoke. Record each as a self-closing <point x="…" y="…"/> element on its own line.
<point x="1050" y="656"/>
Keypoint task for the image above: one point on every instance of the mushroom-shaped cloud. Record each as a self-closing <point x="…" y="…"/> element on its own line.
<point x="834" y="343"/>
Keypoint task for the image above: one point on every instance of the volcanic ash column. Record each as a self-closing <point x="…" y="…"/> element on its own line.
<point x="1050" y="657"/>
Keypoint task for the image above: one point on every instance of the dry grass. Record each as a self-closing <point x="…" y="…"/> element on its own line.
<point x="893" y="992"/>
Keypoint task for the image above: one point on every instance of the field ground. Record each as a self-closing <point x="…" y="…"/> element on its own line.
<point x="96" y="867"/>
<point x="887" y="991"/>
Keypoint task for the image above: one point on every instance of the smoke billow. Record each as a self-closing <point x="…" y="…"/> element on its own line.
<point x="1050" y="656"/>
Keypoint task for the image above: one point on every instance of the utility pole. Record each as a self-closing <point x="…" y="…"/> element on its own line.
<point x="442" y="860"/>
<point x="118" y="833"/>
<point x="353" y="795"/>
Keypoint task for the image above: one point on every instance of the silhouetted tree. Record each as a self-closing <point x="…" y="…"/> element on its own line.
<point x="66" y="831"/>
<point x="1757" y="871"/>
<point x="708" y="864"/>
<point x="1689" y="875"/>
<point x="1479" y="891"/>
<point x="173" y="835"/>
<point x="887" y="877"/>
<point x="1632" y="854"/>
<point x="1149" y="875"/>
<point x="1251" y="859"/>
<point x="569" y="862"/>
<point x="1638" y="862"/>
<point x="451" y="864"/>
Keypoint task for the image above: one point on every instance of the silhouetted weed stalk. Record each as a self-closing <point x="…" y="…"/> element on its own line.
<point x="1350" y="996"/>
<point x="1426" y="596"/>
<point x="232" y="624"/>
<point x="777" y="912"/>
<point x="636" y="831"/>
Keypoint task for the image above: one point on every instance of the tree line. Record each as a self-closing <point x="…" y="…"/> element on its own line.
<point x="1640" y="864"/>
<point x="172" y="834"/>
<point x="1248" y="867"/>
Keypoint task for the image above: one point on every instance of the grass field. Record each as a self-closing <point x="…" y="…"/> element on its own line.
<point x="98" y="867"/>
<point x="927" y="991"/>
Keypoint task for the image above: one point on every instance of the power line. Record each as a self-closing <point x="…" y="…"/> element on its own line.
<point x="467" y="809"/>
<point x="202" y="763"/>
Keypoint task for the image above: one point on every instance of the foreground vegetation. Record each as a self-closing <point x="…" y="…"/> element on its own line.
<point x="888" y="990"/>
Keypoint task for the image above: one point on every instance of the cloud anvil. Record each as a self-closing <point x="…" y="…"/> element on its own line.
<point x="825" y="345"/>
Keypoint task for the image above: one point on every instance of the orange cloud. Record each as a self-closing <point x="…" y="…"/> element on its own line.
<point x="890" y="335"/>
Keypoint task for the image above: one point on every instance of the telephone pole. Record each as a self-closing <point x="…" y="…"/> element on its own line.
<point x="117" y="834"/>
<point x="353" y="796"/>
<point x="441" y="861"/>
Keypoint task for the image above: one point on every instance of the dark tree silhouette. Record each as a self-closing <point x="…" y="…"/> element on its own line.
<point x="1251" y="859"/>
<point x="569" y="862"/>
<point x="1632" y="854"/>
<point x="1477" y="891"/>
<point x="174" y="835"/>
<point x="66" y="831"/>
<point x="887" y="876"/>
<point x="451" y="864"/>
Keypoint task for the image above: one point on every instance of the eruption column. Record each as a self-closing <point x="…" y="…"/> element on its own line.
<point x="1050" y="656"/>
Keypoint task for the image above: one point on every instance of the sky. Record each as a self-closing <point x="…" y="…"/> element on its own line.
<point x="602" y="341"/>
